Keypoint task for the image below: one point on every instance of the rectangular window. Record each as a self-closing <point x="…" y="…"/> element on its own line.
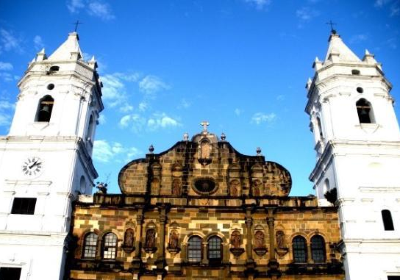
<point x="10" y="273"/>
<point x="23" y="206"/>
<point x="393" y="277"/>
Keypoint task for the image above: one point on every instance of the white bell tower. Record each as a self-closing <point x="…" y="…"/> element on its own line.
<point x="357" y="140"/>
<point x="45" y="161"/>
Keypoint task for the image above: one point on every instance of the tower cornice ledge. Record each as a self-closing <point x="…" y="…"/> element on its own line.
<point x="340" y="147"/>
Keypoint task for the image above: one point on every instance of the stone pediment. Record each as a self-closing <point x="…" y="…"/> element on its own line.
<point x="204" y="166"/>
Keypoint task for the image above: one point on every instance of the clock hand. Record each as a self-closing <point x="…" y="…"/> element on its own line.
<point x="33" y="165"/>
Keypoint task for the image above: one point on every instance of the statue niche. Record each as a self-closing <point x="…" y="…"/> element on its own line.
<point x="173" y="245"/>
<point x="205" y="152"/>
<point x="176" y="187"/>
<point x="236" y="241"/>
<point x="259" y="243"/>
<point x="129" y="237"/>
<point x="234" y="188"/>
<point x="256" y="187"/>
<point x="281" y="248"/>
<point x="150" y="241"/>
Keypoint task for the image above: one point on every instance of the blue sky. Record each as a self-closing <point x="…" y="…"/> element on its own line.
<point x="168" y="65"/>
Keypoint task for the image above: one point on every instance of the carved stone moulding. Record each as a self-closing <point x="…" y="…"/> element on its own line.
<point x="150" y="250"/>
<point x="205" y="161"/>
<point x="128" y="249"/>
<point x="205" y="186"/>
<point x="236" y="251"/>
<point x="281" y="251"/>
<point x="173" y="251"/>
<point x="261" y="251"/>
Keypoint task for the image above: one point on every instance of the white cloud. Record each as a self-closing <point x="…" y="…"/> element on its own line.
<point x="184" y="104"/>
<point x="392" y="43"/>
<point x="6" y="105"/>
<point x="133" y="121"/>
<point x="132" y="153"/>
<point x="8" y="77"/>
<point x="101" y="10"/>
<point x="114" y="90"/>
<point x="381" y="3"/>
<point x="306" y="13"/>
<point x="358" y="38"/>
<point x="161" y="121"/>
<point x="94" y="8"/>
<point x="156" y="121"/>
<point x="38" y="42"/>
<point x="112" y="86"/>
<point x="9" y="41"/>
<point x="75" y="5"/>
<point x="238" y="112"/>
<point x="125" y="120"/>
<point x="395" y="9"/>
<point x="259" y="118"/>
<point x="143" y="106"/>
<point x="106" y="152"/>
<point x="259" y="4"/>
<point x="6" y="66"/>
<point x="152" y="84"/>
<point x="126" y="108"/>
<point x="6" y="109"/>
<point x="102" y="119"/>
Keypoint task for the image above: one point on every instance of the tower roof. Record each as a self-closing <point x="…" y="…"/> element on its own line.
<point x="69" y="49"/>
<point x="338" y="48"/>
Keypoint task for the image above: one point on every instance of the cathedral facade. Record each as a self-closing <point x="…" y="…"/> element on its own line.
<point x="201" y="209"/>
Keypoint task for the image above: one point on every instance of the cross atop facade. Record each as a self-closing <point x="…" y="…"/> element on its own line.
<point x="204" y="124"/>
<point x="331" y="23"/>
<point x="77" y="24"/>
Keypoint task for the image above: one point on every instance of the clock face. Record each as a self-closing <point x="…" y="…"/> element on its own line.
<point x="32" y="166"/>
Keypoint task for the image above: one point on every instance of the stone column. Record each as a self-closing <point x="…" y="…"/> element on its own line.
<point x="249" y="245"/>
<point x="273" y="264"/>
<point x="250" y="264"/>
<point x="137" y="261"/>
<point x="160" y="263"/>
<point x="204" y="260"/>
<point x="163" y="219"/>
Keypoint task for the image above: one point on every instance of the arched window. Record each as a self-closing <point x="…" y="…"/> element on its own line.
<point x="45" y="109"/>
<point x="54" y="68"/>
<point x="194" y="249"/>
<point x="82" y="185"/>
<point x="109" y="246"/>
<point x="387" y="220"/>
<point x="326" y="187"/>
<point x="90" y="128"/>
<point x="318" y="249"/>
<point x="364" y="111"/>
<point x="215" y="250"/>
<point x="90" y="246"/>
<point x="299" y="249"/>
<point x="321" y="135"/>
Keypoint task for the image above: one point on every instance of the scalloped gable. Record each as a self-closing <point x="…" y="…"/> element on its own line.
<point x="181" y="171"/>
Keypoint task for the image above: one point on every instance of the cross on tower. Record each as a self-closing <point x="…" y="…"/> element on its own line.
<point x="331" y="23"/>
<point x="76" y="24"/>
<point x="204" y="124"/>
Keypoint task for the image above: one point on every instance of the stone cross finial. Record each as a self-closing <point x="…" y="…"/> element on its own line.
<point x="331" y="23"/>
<point x="204" y="124"/>
<point x="77" y="24"/>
